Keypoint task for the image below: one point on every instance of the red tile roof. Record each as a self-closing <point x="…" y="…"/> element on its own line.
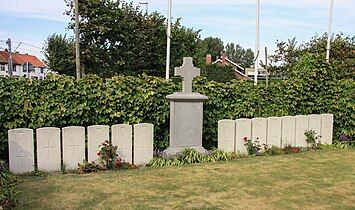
<point x="2" y="59"/>
<point x="20" y="59"/>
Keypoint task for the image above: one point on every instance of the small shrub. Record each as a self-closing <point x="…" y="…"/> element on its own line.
<point x="273" y="150"/>
<point x="190" y="156"/>
<point x="108" y="154"/>
<point x="312" y="139"/>
<point x="289" y="149"/>
<point x="121" y="165"/>
<point x="7" y="187"/>
<point x="253" y="147"/>
<point x="63" y="168"/>
<point x="87" y="167"/>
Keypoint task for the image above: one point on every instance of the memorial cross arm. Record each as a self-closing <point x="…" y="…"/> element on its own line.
<point x="188" y="72"/>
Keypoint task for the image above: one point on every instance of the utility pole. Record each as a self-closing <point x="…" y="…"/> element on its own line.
<point x="168" y="43"/>
<point x="266" y="66"/>
<point x="330" y="28"/>
<point x="77" y="39"/>
<point x="257" y="46"/>
<point x="8" y="42"/>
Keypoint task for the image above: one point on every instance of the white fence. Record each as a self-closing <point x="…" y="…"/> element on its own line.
<point x="278" y="131"/>
<point x="67" y="145"/>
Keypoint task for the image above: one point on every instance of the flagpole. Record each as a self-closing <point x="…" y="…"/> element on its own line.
<point x="168" y="43"/>
<point x="257" y="46"/>
<point x="330" y="28"/>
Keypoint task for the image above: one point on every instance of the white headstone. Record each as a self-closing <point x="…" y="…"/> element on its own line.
<point x="259" y="129"/>
<point x="274" y="131"/>
<point x="327" y="128"/>
<point x="226" y="135"/>
<point x="314" y="123"/>
<point x="301" y="127"/>
<point x="121" y="136"/>
<point x="242" y="130"/>
<point x="96" y="135"/>
<point x="73" y="146"/>
<point x="48" y="149"/>
<point x="288" y="126"/>
<point x="143" y="143"/>
<point x="21" y="150"/>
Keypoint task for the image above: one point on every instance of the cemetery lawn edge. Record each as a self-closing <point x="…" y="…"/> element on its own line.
<point x="319" y="179"/>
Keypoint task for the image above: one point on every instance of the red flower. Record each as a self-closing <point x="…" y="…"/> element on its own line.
<point x="99" y="153"/>
<point x="245" y="138"/>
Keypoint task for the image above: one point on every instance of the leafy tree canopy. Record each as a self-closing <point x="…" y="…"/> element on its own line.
<point x="236" y="53"/>
<point x="342" y="54"/>
<point x="59" y="54"/>
<point x="118" y="38"/>
<point x="209" y="45"/>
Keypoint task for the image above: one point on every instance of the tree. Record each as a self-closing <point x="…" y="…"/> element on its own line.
<point x="286" y="55"/>
<point x="239" y="55"/>
<point x="117" y="38"/>
<point x="209" y="45"/>
<point x="59" y="54"/>
<point x="184" y="43"/>
<point x="342" y="54"/>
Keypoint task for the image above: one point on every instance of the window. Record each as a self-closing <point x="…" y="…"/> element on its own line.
<point x="25" y="67"/>
<point x="14" y="68"/>
<point x="42" y="70"/>
<point x="2" y="67"/>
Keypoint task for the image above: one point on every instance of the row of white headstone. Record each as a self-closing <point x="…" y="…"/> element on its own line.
<point x="277" y="131"/>
<point x="49" y="146"/>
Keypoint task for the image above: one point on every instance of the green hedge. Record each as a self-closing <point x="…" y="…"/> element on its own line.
<point x="61" y="101"/>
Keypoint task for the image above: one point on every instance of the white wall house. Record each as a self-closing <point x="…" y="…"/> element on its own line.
<point x="24" y="65"/>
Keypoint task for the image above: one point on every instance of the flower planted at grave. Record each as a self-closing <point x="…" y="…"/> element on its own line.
<point x="253" y="148"/>
<point x="109" y="158"/>
<point x="107" y="154"/>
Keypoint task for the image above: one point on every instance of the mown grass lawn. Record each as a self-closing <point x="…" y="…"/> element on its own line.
<point x="312" y="180"/>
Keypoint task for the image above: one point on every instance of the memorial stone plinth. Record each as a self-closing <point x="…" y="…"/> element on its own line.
<point x="186" y="112"/>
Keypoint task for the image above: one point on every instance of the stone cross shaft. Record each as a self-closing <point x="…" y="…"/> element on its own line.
<point x="188" y="72"/>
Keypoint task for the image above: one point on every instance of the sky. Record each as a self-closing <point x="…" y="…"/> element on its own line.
<point x="32" y="21"/>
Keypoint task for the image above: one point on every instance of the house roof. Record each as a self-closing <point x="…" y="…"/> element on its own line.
<point x="2" y="59"/>
<point x="237" y="67"/>
<point x="21" y="59"/>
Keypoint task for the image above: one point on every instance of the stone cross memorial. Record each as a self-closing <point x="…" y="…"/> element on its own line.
<point x="186" y="112"/>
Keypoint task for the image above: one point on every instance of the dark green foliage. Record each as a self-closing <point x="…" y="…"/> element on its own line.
<point x="218" y="73"/>
<point x="118" y="38"/>
<point x="7" y="186"/>
<point x="62" y="101"/>
<point x="273" y="150"/>
<point x="87" y="167"/>
<point x="243" y="57"/>
<point x="191" y="156"/>
<point x="312" y="139"/>
<point x="60" y="54"/>
<point x="289" y="149"/>
<point x="209" y="45"/>
<point x="108" y="154"/>
<point x="342" y="55"/>
<point x="253" y="147"/>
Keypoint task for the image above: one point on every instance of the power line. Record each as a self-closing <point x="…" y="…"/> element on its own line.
<point x="24" y="43"/>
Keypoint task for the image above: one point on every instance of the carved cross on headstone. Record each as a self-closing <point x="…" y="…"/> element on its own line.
<point x="48" y="147"/>
<point x="22" y="156"/>
<point x="188" y="72"/>
<point x="72" y="146"/>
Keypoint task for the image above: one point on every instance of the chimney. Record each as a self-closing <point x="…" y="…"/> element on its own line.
<point x="223" y="57"/>
<point x="209" y="59"/>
